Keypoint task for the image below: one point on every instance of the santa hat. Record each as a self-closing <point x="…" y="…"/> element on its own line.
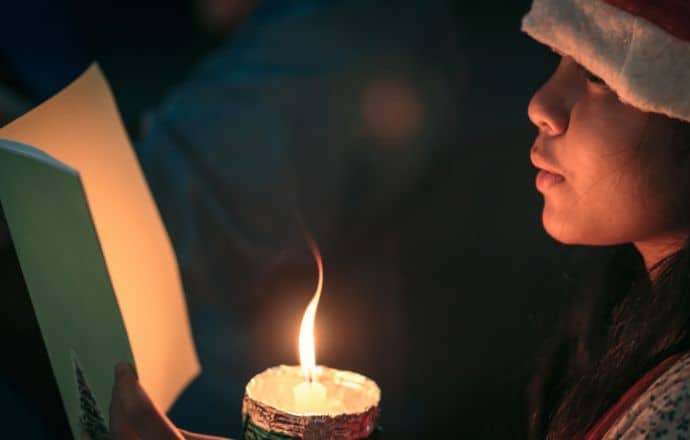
<point x="640" y="48"/>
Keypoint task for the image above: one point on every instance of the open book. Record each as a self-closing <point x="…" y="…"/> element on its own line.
<point x="98" y="263"/>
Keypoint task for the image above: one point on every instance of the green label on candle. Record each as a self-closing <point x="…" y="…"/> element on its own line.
<point x="253" y="432"/>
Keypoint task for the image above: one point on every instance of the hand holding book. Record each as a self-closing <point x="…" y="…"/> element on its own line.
<point x="99" y="267"/>
<point x="133" y="416"/>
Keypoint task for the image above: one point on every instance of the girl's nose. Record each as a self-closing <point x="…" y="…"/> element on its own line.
<point x="548" y="108"/>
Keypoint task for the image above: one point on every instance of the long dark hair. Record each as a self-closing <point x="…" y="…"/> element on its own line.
<point x="620" y="324"/>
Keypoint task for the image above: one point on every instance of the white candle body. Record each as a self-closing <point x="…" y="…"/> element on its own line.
<point x="310" y="398"/>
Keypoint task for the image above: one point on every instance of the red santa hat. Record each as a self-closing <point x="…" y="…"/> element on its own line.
<point x="640" y="48"/>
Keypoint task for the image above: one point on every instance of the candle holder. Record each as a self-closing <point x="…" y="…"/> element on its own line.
<point x="270" y="410"/>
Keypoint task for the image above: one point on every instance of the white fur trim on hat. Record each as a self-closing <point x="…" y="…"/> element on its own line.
<point x="646" y="66"/>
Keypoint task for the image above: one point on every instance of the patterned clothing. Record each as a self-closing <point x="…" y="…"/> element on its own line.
<point x="662" y="411"/>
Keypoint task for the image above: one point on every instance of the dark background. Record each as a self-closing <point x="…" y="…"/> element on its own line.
<point x="442" y="297"/>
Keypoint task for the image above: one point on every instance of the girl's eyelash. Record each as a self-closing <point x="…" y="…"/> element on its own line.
<point x="593" y="78"/>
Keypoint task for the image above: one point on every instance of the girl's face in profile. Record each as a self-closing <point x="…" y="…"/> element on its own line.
<point x="617" y="174"/>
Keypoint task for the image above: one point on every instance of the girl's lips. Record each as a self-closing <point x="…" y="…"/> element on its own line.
<point x="546" y="180"/>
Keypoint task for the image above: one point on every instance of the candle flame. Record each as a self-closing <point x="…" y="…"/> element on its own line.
<point x="307" y="355"/>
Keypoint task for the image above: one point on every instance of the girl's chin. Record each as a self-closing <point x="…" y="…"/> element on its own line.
<point x="561" y="230"/>
<point x="566" y="232"/>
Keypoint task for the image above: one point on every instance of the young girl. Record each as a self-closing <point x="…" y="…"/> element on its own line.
<point x="612" y="150"/>
<point x="614" y="169"/>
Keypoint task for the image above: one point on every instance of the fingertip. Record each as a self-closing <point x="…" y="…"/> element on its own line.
<point x="120" y="370"/>
<point x="124" y="370"/>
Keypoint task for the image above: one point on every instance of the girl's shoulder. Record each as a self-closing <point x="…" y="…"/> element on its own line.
<point x="662" y="411"/>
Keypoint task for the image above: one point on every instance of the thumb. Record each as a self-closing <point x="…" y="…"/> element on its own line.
<point x="138" y="412"/>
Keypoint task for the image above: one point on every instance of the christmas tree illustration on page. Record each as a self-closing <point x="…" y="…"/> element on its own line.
<point x="91" y="419"/>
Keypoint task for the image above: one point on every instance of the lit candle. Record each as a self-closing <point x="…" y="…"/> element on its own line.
<point x="310" y="398"/>
<point x="310" y="395"/>
<point x="310" y="401"/>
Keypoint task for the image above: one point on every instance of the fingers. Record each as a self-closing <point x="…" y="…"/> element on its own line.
<point x="120" y="428"/>
<point x="135" y="415"/>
